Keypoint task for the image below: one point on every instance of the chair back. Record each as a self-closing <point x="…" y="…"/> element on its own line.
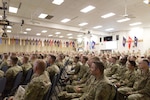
<point x="18" y="79"/>
<point x="49" y="93"/>
<point x="4" y="68"/>
<point x="2" y="84"/>
<point x="28" y="76"/>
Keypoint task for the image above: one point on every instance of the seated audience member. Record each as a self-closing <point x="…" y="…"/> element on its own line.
<point x="129" y="77"/>
<point x="53" y="68"/>
<point x="76" y="67"/>
<point x="81" y="86"/>
<point x="121" y="69"/>
<point x="104" y="60"/>
<point x="32" y="59"/>
<point x="4" y="60"/>
<point x="141" y="89"/>
<point x="11" y="74"/>
<point x="25" y="65"/>
<point x="101" y="89"/>
<point x="83" y="69"/>
<point x="113" y="68"/>
<point x="59" y="61"/>
<point x="39" y="85"/>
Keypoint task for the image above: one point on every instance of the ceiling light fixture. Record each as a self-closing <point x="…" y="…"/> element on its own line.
<point x="9" y="27"/>
<point x="44" y="31"/>
<point x="83" y="24"/>
<point x="109" y="29"/>
<point x="13" y="9"/>
<point x="24" y="32"/>
<point x="58" y="2"/>
<point x="70" y="37"/>
<point x="42" y="15"/>
<point x="8" y="31"/>
<point x="108" y="15"/>
<point x="96" y="27"/>
<point x="61" y="36"/>
<point x="65" y="20"/>
<point x="146" y="1"/>
<point x="58" y="33"/>
<point x="69" y="34"/>
<point x="50" y="35"/>
<point x="28" y="29"/>
<point x="123" y="20"/>
<point x="1" y="16"/>
<point x="134" y="24"/>
<point x="79" y="35"/>
<point x="38" y="34"/>
<point x="87" y="9"/>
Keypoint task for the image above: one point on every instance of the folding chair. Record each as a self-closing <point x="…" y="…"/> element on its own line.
<point x="16" y="82"/>
<point x="28" y="76"/>
<point x="4" y="68"/>
<point x="48" y="95"/>
<point x="2" y="84"/>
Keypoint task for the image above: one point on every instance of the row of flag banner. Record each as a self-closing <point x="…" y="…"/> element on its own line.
<point x="38" y="42"/>
<point x="130" y="40"/>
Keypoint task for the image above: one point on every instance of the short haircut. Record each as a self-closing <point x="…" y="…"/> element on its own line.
<point x="41" y="65"/>
<point x="26" y="58"/>
<point x="115" y="58"/>
<point x="132" y="63"/>
<point x="145" y="60"/>
<point x="77" y="57"/>
<point x="95" y="58"/>
<point x="85" y="58"/>
<point x="53" y="57"/>
<point x="14" y="59"/>
<point x="100" y="66"/>
<point x="5" y="55"/>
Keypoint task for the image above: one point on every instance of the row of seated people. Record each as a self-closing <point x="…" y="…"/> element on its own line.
<point x="88" y="81"/>
<point x="96" y="83"/>
<point x="14" y="69"/>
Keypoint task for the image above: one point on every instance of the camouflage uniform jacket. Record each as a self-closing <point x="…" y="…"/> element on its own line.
<point x="37" y="88"/>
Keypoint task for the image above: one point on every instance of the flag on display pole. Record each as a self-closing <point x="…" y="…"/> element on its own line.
<point x="135" y="41"/>
<point x="129" y="42"/>
<point x="124" y="42"/>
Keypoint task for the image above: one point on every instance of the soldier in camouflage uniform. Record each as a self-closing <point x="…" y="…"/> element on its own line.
<point x="113" y="68"/>
<point x="39" y="84"/>
<point x="59" y="61"/>
<point x="129" y="77"/>
<point x="83" y="69"/>
<point x="141" y="89"/>
<point x="121" y="69"/>
<point x="25" y="66"/>
<point x="76" y="67"/>
<point x="53" y="68"/>
<point x="11" y="74"/>
<point x="78" y="88"/>
<point x="4" y="61"/>
<point x="100" y="89"/>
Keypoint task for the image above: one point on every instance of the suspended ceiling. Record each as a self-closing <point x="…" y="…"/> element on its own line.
<point x="30" y="9"/>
